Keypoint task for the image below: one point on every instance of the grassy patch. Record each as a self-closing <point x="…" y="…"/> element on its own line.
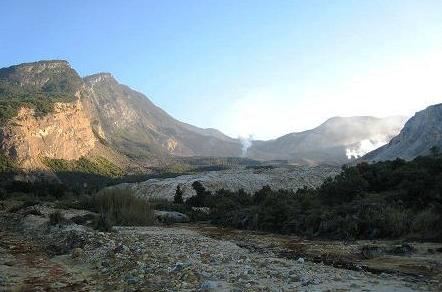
<point x="5" y="163"/>
<point x="97" y="166"/>
<point x="122" y="207"/>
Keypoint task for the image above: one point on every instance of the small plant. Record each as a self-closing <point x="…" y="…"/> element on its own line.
<point x="103" y="223"/>
<point x="56" y="218"/>
<point x="178" y="198"/>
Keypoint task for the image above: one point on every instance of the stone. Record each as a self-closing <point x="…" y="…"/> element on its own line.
<point x="178" y="267"/>
<point x="121" y="249"/>
<point x="402" y="249"/>
<point x="77" y="252"/>
<point x="371" y="251"/>
<point x="171" y="217"/>
<point x="300" y="260"/>
<point x="208" y="286"/>
<point x="131" y="280"/>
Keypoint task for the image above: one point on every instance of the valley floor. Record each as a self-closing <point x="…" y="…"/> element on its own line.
<point x="38" y="257"/>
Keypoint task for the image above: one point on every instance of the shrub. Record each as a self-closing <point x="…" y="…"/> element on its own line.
<point x="122" y="207"/>
<point x="201" y="198"/>
<point x="178" y="198"/>
<point x="366" y="201"/>
<point x="427" y="224"/>
<point x="56" y="218"/>
<point x="103" y="223"/>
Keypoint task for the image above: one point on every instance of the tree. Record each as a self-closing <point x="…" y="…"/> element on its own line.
<point x="201" y="198"/>
<point x="178" y="198"/>
<point x="199" y="188"/>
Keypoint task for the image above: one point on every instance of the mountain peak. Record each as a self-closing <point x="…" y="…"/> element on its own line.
<point x="37" y="67"/>
<point x="99" y="77"/>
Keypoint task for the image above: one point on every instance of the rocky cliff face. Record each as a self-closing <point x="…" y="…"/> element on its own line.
<point x="419" y="135"/>
<point x="48" y="110"/>
<point x="66" y="133"/>
<point x="47" y="119"/>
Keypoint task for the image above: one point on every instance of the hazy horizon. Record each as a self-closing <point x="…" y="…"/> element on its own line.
<point x="257" y="68"/>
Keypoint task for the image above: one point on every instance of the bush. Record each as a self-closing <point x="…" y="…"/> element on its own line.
<point x="366" y="201"/>
<point x="103" y="223"/>
<point x="178" y="198"/>
<point x="56" y="218"/>
<point x="427" y="225"/>
<point x="122" y="207"/>
<point x="201" y="198"/>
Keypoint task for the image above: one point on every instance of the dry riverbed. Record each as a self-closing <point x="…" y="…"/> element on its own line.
<point x="71" y="257"/>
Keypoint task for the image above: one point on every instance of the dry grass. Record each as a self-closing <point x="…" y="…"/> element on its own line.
<point x="122" y="207"/>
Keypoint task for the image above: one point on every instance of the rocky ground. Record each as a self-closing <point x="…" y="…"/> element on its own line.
<point x="39" y="256"/>
<point x="249" y="179"/>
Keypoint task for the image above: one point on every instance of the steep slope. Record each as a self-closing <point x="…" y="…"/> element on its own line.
<point x="38" y="103"/>
<point x="335" y="141"/>
<point x="419" y="135"/>
<point x="133" y="124"/>
<point x="48" y="111"/>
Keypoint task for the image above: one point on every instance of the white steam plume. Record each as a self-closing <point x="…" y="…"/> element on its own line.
<point x="246" y="142"/>
<point x="363" y="148"/>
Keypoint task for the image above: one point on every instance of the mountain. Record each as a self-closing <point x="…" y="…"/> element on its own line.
<point x="419" y="135"/>
<point x="132" y="123"/>
<point x="50" y="115"/>
<point x="335" y="141"/>
<point x="38" y="104"/>
<point x="48" y="111"/>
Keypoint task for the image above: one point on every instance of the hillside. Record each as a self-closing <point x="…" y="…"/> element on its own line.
<point x="335" y="141"/>
<point x="47" y="111"/>
<point x="39" y="102"/>
<point x="422" y="132"/>
<point x="133" y="124"/>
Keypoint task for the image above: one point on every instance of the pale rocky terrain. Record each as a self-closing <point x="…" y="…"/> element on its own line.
<point x="36" y="256"/>
<point x="248" y="179"/>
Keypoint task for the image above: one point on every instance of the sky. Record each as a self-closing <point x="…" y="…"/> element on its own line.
<point x="248" y="68"/>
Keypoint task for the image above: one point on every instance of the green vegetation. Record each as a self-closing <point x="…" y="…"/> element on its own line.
<point x="6" y="164"/>
<point x="178" y="197"/>
<point x="56" y="218"/>
<point x="14" y="93"/>
<point x="97" y="165"/>
<point x="85" y="175"/>
<point x="392" y="199"/>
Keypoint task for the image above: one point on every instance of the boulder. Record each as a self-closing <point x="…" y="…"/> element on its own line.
<point x="171" y="217"/>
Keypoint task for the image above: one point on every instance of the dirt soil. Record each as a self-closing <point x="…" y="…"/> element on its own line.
<point x="36" y="255"/>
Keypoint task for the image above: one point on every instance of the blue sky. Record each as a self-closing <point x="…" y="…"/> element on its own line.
<point x="261" y="68"/>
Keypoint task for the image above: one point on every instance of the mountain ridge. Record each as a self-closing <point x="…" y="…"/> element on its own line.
<point x="329" y="141"/>
<point x="128" y="122"/>
<point x="421" y="132"/>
